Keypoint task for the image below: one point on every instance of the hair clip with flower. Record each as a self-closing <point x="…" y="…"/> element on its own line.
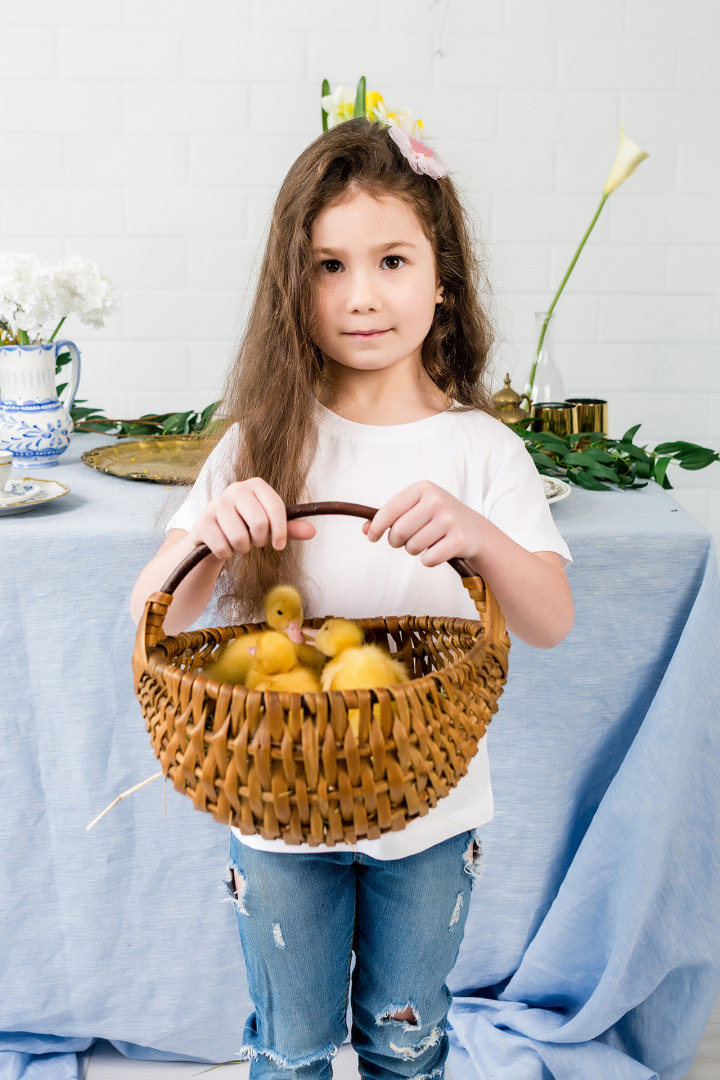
<point x="421" y="158"/>
<point x="344" y="104"/>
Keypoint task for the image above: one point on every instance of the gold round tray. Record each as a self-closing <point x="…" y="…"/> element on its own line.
<point x="161" y="459"/>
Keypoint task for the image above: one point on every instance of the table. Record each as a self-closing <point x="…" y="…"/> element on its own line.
<point x="592" y="947"/>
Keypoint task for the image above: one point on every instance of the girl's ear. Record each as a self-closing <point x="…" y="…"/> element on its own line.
<point x="440" y="294"/>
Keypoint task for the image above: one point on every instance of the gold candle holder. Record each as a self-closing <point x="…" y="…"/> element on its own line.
<point x="559" y="417"/>
<point x="592" y="414"/>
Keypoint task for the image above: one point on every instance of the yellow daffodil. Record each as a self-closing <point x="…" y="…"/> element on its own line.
<point x="628" y="158"/>
<point x="374" y="104"/>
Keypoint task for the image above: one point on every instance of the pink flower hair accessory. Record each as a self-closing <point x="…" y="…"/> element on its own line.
<point x="421" y="158"/>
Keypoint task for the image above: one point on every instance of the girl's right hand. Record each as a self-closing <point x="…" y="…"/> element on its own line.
<point x="248" y="513"/>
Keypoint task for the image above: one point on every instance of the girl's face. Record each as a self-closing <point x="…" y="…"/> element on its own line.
<point x="376" y="284"/>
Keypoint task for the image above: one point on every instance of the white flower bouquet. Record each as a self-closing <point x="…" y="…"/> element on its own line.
<point x="35" y="300"/>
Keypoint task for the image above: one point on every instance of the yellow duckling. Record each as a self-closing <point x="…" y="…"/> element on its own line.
<point x="275" y="667"/>
<point x="283" y="612"/>
<point x="354" y="666"/>
<point x="233" y="661"/>
<point x="337" y="635"/>
<point x="285" y="602"/>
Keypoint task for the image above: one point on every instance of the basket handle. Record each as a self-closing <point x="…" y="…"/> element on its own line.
<point x="149" y="629"/>
<point x="301" y="510"/>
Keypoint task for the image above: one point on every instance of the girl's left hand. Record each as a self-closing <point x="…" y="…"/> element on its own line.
<point x="427" y="520"/>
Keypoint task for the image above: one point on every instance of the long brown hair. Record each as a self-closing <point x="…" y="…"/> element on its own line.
<point x="271" y="387"/>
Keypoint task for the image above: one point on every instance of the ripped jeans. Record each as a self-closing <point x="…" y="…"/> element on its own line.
<point x="301" y="916"/>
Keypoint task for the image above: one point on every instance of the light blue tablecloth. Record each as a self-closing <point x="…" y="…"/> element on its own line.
<point x="592" y="948"/>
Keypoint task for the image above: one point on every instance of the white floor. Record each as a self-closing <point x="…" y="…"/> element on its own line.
<point x="103" y="1062"/>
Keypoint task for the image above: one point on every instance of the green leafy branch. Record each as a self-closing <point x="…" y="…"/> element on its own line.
<point x="178" y="423"/>
<point x="595" y="462"/>
<point x="87" y="418"/>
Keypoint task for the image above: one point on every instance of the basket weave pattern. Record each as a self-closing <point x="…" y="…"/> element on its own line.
<point x="289" y="766"/>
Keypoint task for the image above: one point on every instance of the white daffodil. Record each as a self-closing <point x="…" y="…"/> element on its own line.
<point x="403" y="118"/>
<point x="628" y="158"/>
<point x="339" y="106"/>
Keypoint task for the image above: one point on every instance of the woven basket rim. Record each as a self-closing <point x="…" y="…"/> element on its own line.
<point x="159" y="661"/>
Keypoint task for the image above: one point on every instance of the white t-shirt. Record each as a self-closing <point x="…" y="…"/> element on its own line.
<point x="479" y="461"/>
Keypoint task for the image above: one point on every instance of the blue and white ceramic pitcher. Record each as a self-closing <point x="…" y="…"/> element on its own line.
<point x="35" y="424"/>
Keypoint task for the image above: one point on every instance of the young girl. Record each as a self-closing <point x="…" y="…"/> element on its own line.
<point x="358" y="380"/>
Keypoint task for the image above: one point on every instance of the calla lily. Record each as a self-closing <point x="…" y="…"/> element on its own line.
<point x="628" y="158"/>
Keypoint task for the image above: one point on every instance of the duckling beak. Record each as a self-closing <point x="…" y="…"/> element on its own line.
<point x="295" y="633"/>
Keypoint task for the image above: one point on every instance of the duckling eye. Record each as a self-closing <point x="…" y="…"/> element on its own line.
<point x="279" y="611"/>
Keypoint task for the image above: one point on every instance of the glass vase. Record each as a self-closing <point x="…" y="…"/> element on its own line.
<point x="547" y="384"/>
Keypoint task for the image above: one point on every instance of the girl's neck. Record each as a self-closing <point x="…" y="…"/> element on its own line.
<point x="381" y="398"/>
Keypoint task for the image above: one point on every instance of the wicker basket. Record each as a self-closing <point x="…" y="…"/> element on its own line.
<point x="288" y="766"/>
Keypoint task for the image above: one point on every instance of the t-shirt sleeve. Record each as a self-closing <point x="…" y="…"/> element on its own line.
<point x="214" y="477"/>
<point x="516" y="502"/>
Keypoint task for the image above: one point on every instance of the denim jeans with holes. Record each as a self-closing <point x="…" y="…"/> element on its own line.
<point x="301" y="916"/>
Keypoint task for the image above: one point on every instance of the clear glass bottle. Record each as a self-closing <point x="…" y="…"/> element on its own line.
<point x="547" y="384"/>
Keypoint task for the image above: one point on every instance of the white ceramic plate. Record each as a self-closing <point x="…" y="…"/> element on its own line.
<point x="27" y="493"/>
<point x="555" y="490"/>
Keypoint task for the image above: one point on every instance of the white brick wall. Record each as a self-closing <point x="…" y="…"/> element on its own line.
<point x="150" y="135"/>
